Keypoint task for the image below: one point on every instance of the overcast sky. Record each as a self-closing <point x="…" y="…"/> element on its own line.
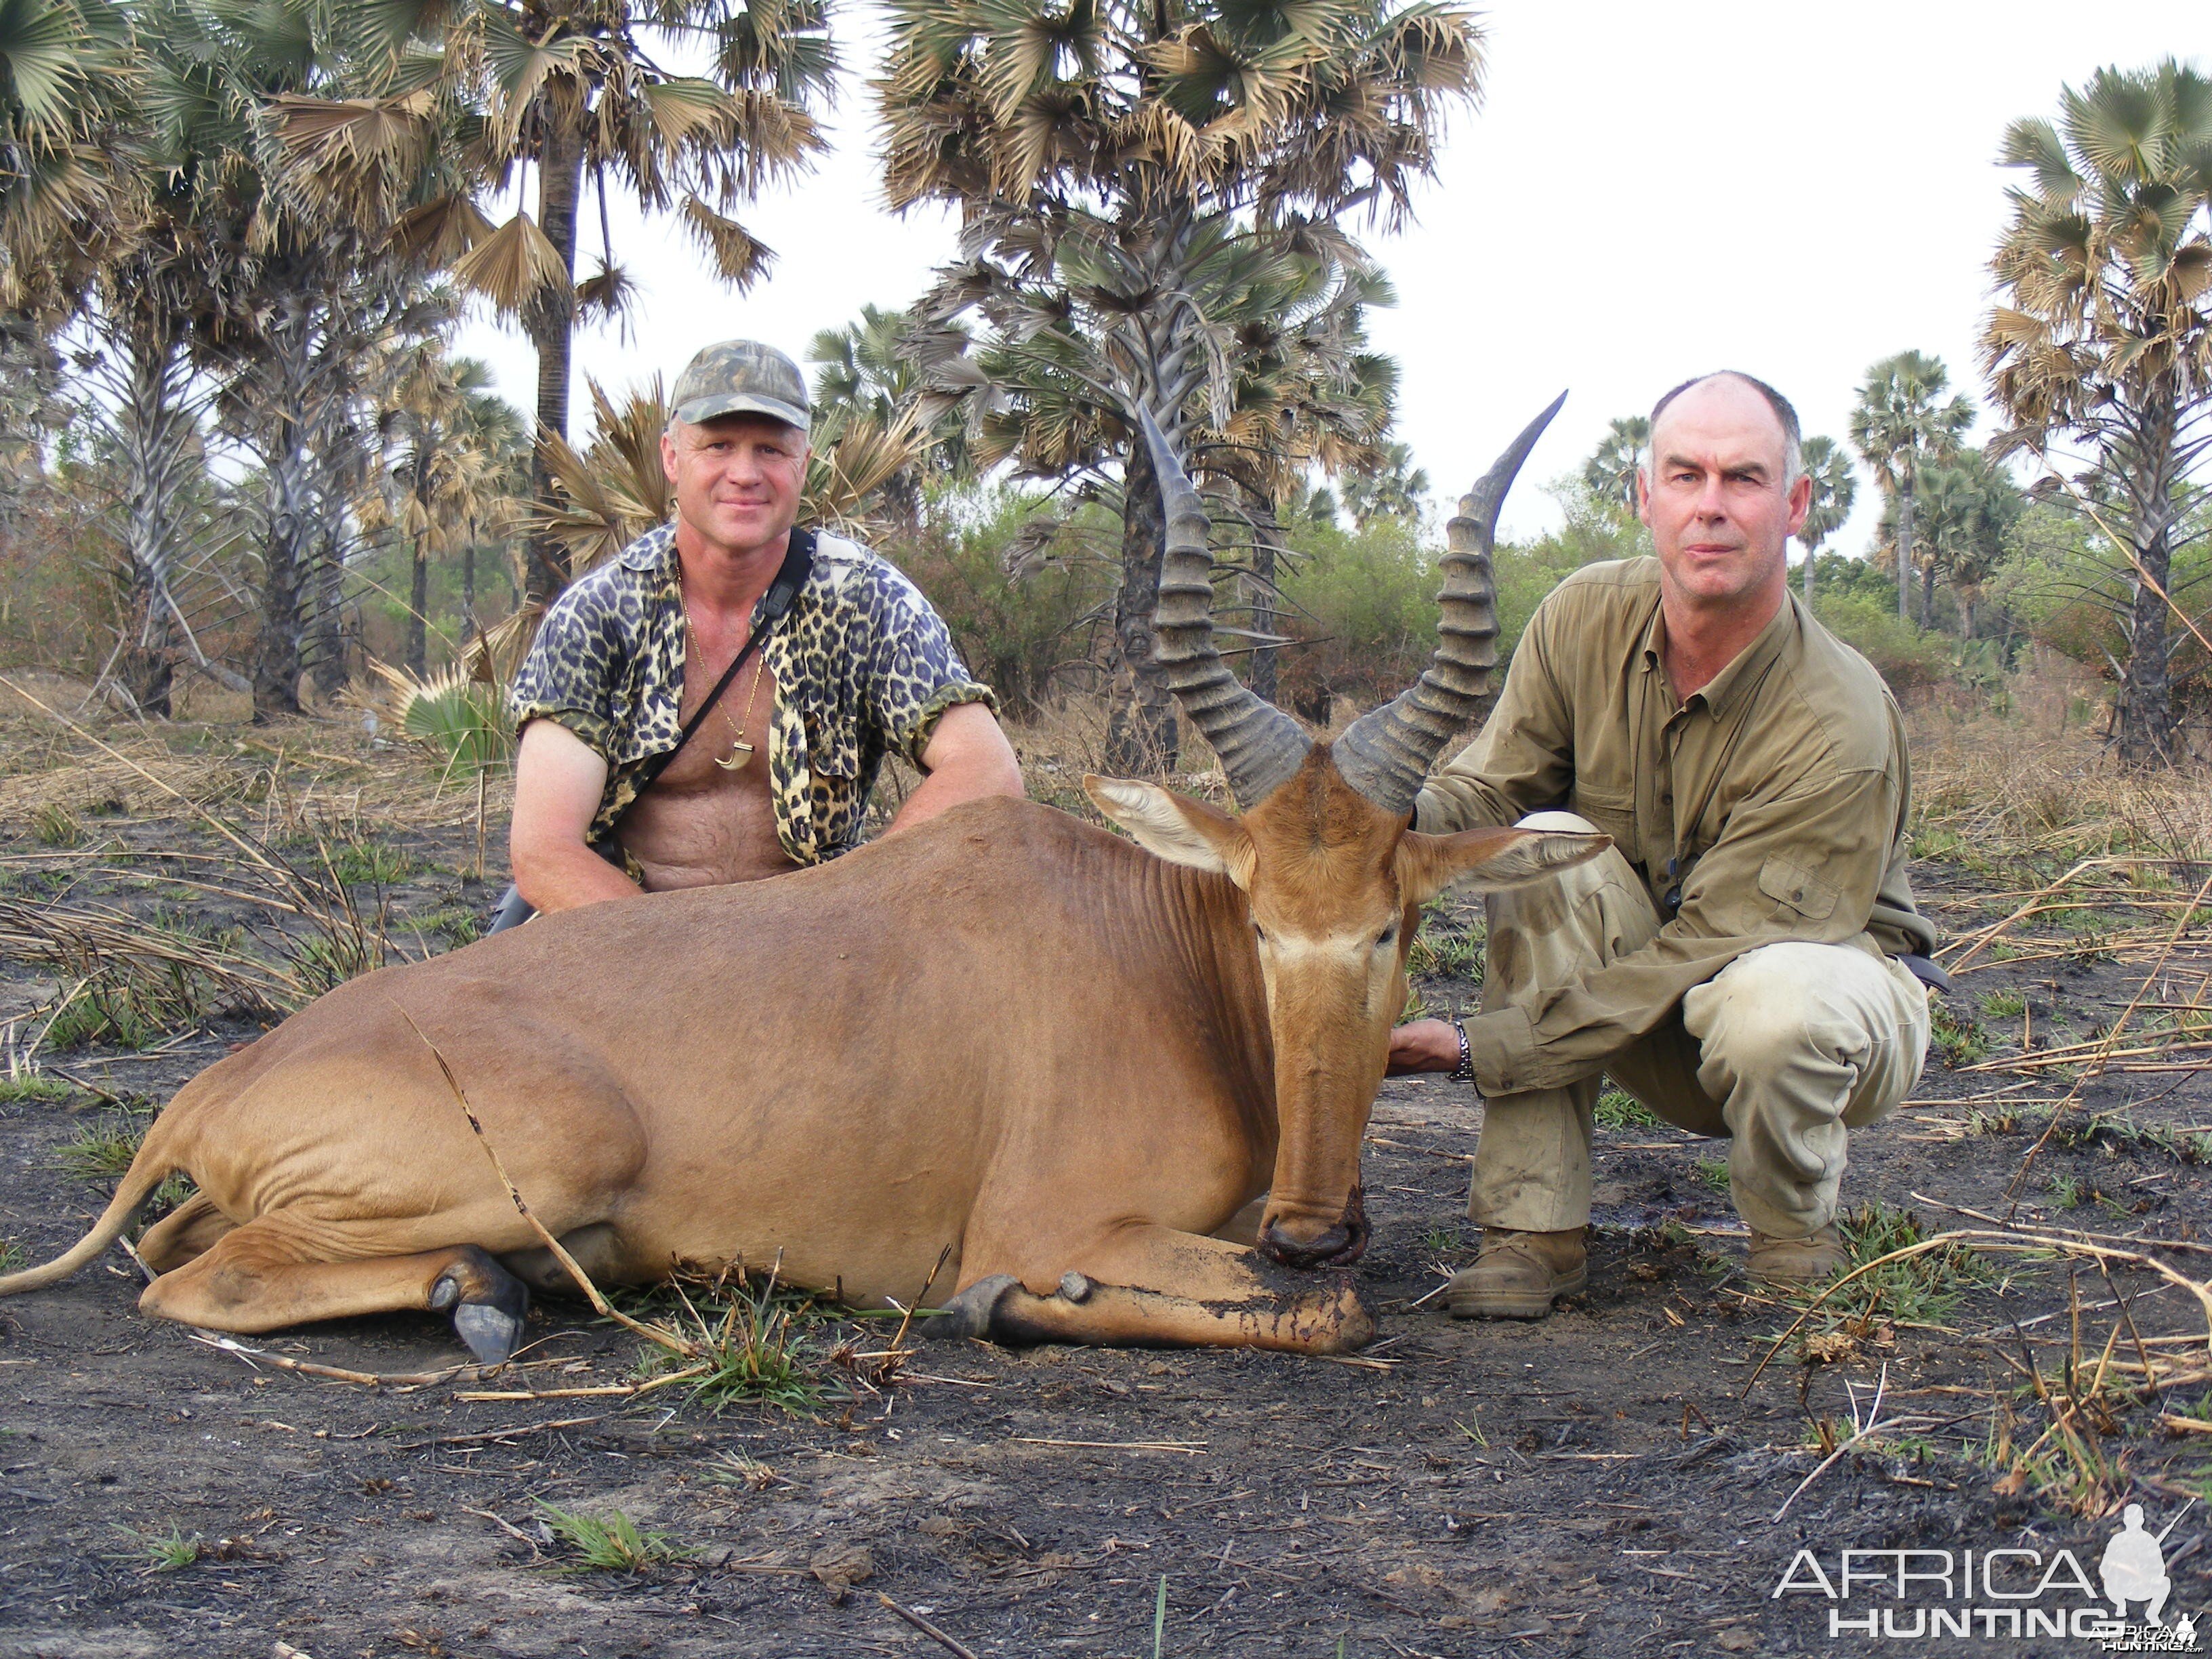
<point x="1647" y="192"/>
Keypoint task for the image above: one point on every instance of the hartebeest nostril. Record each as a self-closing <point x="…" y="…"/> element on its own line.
<point x="1338" y="1245"/>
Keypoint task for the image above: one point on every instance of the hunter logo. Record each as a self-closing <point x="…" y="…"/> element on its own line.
<point x="1909" y="1594"/>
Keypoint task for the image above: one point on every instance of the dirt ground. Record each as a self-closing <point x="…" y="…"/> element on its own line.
<point x="1605" y="1482"/>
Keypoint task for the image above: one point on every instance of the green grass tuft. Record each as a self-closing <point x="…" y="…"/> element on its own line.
<point x="1713" y="1171"/>
<point x="101" y="1150"/>
<point x="15" y="1091"/>
<point x="612" y="1542"/>
<point x="751" y="1349"/>
<point x="1921" y="1288"/>
<point x="1619" y="1109"/>
<point x="1961" y="1040"/>
<point x="53" y="825"/>
<point x="169" y="1552"/>
<point x="364" y="863"/>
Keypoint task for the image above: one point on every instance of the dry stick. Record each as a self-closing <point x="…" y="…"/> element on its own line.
<point x="605" y="1309"/>
<point x="2081" y="1233"/>
<point x="2011" y="1238"/>
<point x="1989" y="935"/>
<point x="308" y="1368"/>
<point x="2099" y="1062"/>
<point x="927" y="1628"/>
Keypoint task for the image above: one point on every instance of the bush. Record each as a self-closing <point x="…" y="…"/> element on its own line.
<point x="1902" y="654"/>
<point x="1364" y="603"/>
<point x="1020" y="635"/>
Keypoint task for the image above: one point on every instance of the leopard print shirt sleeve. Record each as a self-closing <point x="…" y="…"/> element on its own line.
<point x="873" y="667"/>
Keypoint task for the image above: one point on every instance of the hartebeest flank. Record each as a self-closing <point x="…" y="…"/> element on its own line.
<point x="1072" y="1059"/>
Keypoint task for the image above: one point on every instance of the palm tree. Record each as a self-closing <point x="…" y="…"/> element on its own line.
<point x="1115" y="160"/>
<point x="1835" y="487"/>
<point x="1610" y="473"/>
<point x="1063" y="356"/>
<point x="870" y="373"/>
<point x="1899" y="424"/>
<point x="65" y="75"/>
<point x="139" y="248"/>
<point x="2102" y="351"/>
<point x="575" y="93"/>
<point x="447" y="438"/>
<point x="1393" y="490"/>
<point x="1968" y="507"/>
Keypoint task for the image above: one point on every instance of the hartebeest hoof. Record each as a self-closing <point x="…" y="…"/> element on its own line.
<point x="489" y="1303"/>
<point x="969" y="1314"/>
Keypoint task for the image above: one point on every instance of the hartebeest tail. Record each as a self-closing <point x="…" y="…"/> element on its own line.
<point x="153" y="1165"/>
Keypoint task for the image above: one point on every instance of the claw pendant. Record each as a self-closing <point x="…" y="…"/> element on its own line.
<point x="740" y="753"/>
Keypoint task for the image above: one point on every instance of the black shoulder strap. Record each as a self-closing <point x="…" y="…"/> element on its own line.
<point x="790" y="577"/>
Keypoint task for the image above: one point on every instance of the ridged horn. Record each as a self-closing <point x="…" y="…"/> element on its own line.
<point x="1259" y="744"/>
<point x="1387" y="752"/>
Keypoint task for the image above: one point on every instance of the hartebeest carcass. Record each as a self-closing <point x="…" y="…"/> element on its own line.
<point x="1070" y="1059"/>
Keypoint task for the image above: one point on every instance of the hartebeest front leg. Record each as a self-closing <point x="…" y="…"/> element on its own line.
<point x="1151" y="1286"/>
<point x="265" y="1276"/>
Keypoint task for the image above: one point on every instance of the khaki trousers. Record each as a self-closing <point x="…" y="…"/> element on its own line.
<point x="1783" y="1051"/>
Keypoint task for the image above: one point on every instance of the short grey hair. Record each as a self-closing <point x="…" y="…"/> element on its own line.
<point x="1793" y="454"/>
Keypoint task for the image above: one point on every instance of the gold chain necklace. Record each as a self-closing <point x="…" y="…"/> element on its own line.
<point x="740" y="750"/>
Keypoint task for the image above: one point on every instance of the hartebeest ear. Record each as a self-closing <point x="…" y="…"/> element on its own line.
<point x="1489" y="859"/>
<point x="1172" y="827"/>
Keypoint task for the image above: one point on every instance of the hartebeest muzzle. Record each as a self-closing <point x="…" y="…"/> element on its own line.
<point x="1339" y="1244"/>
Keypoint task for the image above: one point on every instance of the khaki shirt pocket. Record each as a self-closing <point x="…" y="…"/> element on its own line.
<point x="1798" y="894"/>
<point x="1615" y="814"/>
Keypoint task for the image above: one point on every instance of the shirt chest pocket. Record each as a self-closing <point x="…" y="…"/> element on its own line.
<point x="833" y="747"/>
<point x="1615" y="814"/>
<point x="1798" y="894"/>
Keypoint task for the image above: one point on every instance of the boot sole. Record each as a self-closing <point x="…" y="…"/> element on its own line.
<point x="1526" y="1305"/>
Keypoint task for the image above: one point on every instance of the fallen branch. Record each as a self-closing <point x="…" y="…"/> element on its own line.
<point x="482" y="1435"/>
<point x="338" y="1374"/>
<point x="927" y="1628"/>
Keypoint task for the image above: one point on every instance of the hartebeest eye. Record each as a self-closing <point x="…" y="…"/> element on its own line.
<point x="1388" y="938"/>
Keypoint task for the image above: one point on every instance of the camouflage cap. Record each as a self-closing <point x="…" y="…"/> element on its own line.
<point x="741" y="377"/>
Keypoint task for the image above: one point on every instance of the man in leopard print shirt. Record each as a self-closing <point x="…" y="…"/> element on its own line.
<point x="778" y="775"/>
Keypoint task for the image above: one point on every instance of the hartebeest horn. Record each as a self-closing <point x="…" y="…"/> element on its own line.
<point x="1259" y="744"/>
<point x="1387" y="752"/>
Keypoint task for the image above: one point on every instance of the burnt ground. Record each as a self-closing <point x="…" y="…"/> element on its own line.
<point x="1605" y="1482"/>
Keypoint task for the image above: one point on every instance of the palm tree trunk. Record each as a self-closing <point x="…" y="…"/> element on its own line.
<point x="284" y="455"/>
<point x="325" y="586"/>
<point x="418" y="585"/>
<point x="1905" y="544"/>
<point x="155" y="432"/>
<point x="418" y="602"/>
<point x="551" y="321"/>
<point x="1809" y="576"/>
<point x="1265" y="544"/>
<point x="469" y="588"/>
<point x="1927" y="594"/>
<point x="2147" y="725"/>
<point x="1140" y="731"/>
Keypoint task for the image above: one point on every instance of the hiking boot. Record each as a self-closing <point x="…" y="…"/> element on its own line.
<point x="1792" y="1263"/>
<point x="1517" y="1275"/>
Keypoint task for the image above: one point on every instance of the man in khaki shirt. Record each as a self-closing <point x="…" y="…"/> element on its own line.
<point x="1734" y="961"/>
